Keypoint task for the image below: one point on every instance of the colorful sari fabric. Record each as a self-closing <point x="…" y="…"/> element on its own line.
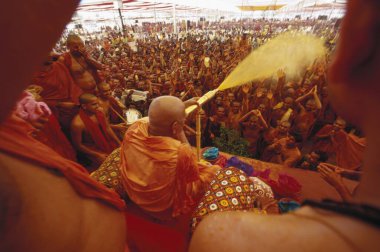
<point x="230" y="190"/>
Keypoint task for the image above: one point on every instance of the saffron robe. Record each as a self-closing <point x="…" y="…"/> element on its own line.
<point x="160" y="173"/>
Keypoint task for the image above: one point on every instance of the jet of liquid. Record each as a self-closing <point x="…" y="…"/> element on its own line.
<point x="289" y="51"/>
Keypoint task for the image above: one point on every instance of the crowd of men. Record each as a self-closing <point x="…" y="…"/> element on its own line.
<point x="285" y="120"/>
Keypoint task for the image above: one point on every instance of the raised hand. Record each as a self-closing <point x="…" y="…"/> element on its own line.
<point x="192" y="101"/>
<point x="256" y="112"/>
<point x="329" y="175"/>
<point x="84" y="52"/>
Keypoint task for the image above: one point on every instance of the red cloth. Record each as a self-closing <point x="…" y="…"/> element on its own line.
<point x="52" y="136"/>
<point x="285" y="187"/>
<point x="324" y="144"/>
<point x="144" y="235"/>
<point x="16" y="140"/>
<point x="57" y="84"/>
<point x="350" y="151"/>
<point x="98" y="132"/>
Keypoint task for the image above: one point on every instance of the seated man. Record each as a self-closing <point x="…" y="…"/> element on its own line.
<point x="112" y="108"/>
<point x="159" y="169"/>
<point x="91" y="133"/>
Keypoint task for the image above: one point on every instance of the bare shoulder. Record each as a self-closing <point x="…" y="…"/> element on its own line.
<point x="53" y="217"/>
<point x="77" y="123"/>
<point x="61" y="59"/>
<point x="244" y="231"/>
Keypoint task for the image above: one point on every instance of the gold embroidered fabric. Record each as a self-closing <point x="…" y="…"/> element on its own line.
<point x="108" y="173"/>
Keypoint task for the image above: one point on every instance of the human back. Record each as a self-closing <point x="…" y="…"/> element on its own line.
<point x="308" y="229"/>
<point x="45" y="213"/>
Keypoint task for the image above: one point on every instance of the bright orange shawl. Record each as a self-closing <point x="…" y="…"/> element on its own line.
<point x="348" y="148"/>
<point x="16" y="140"/>
<point x="158" y="172"/>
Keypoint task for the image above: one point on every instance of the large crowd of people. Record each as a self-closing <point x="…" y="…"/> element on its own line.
<point x="285" y="120"/>
<point x="75" y="117"/>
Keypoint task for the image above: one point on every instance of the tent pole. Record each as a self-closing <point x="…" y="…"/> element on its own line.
<point x="174" y="20"/>
<point x="121" y="19"/>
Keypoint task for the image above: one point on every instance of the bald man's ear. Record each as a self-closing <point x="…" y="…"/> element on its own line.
<point x="176" y="129"/>
<point x="357" y="58"/>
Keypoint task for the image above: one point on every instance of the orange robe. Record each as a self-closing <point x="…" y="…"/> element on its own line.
<point x="58" y="86"/>
<point x="348" y="148"/>
<point x="160" y="173"/>
<point x="16" y="140"/>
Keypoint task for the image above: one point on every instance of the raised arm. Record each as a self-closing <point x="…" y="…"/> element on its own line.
<point x="262" y="120"/>
<point x="316" y="98"/>
<point x="112" y="133"/>
<point x="335" y="180"/>
<point x="280" y="83"/>
<point x="304" y="97"/>
<point x="244" y="117"/>
<point x="91" y="61"/>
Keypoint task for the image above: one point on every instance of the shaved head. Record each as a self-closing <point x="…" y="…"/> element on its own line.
<point x="86" y="98"/>
<point x="103" y="85"/>
<point x="73" y="38"/>
<point x="163" y="112"/>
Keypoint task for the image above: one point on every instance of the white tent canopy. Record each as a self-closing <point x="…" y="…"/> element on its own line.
<point x="94" y="13"/>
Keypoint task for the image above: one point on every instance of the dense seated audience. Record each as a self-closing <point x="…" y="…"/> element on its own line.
<point x="190" y="64"/>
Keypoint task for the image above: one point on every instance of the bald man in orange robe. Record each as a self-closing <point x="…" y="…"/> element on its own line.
<point x="159" y="169"/>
